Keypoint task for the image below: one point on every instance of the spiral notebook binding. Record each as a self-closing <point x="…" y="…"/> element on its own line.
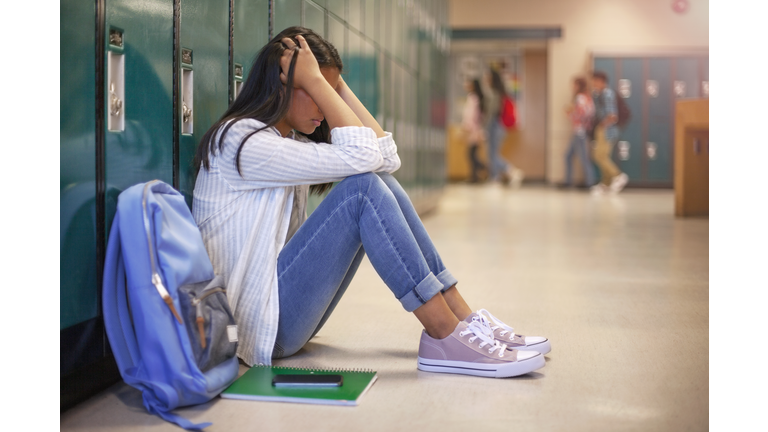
<point x="333" y="370"/>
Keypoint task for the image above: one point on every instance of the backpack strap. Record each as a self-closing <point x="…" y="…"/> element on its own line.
<point x="177" y="419"/>
<point x="117" y="317"/>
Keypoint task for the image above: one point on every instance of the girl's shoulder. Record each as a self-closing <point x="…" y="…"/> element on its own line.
<point x="237" y="128"/>
<point x="581" y="98"/>
<point x="246" y="124"/>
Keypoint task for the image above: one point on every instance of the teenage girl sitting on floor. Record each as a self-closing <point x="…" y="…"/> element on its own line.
<point x="294" y="128"/>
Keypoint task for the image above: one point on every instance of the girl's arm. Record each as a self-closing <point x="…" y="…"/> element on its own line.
<point x="387" y="145"/>
<point x="307" y="76"/>
<point x="349" y="97"/>
<point x="269" y="160"/>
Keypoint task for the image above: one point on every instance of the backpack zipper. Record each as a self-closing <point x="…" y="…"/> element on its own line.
<point x="156" y="280"/>
<point x="197" y="302"/>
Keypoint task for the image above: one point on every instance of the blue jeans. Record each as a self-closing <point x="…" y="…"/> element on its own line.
<point x="578" y="145"/>
<point x="366" y="213"/>
<point x="496" y="134"/>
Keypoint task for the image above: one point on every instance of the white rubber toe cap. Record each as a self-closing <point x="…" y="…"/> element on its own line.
<point x="538" y="344"/>
<point x="525" y="355"/>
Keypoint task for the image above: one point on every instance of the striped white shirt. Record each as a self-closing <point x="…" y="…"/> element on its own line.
<point x="245" y="217"/>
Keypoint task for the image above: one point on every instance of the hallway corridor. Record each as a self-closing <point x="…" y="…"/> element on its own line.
<point x="617" y="283"/>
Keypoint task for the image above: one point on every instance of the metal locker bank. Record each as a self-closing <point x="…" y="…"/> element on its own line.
<point x="141" y="82"/>
<point x="650" y="86"/>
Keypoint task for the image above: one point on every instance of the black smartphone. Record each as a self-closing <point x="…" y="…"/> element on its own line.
<point x="307" y="380"/>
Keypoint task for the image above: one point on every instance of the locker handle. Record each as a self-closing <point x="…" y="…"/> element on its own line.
<point x="115" y="99"/>
<point x="187" y="101"/>
<point x="696" y="146"/>
<point x="186" y="112"/>
<point x="116" y="104"/>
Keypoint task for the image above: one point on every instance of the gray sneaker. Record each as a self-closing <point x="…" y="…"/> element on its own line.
<point x="471" y="350"/>
<point x="506" y="334"/>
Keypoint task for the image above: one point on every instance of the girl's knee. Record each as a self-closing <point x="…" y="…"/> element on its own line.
<point x="365" y="182"/>
<point x="279" y="351"/>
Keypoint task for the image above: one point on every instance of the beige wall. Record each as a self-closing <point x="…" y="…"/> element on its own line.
<point x="616" y="26"/>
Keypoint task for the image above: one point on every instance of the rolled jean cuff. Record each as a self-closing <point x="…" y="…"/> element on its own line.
<point x="419" y="295"/>
<point x="446" y="278"/>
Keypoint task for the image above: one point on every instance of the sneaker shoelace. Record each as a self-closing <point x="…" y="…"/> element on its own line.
<point x="496" y="323"/>
<point x="481" y="330"/>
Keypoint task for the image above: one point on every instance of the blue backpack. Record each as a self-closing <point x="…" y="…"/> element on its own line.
<point x="166" y="314"/>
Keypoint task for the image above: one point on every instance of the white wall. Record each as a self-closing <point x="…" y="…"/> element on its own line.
<point x="620" y="26"/>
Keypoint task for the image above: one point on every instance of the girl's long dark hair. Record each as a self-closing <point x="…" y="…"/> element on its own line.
<point x="479" y="92"/>
<point x="581" y="85"/>
<point x="497" y="84"/>
<point x="264" y="98"/>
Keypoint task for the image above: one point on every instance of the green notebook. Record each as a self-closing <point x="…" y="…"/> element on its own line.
<point x="256" y="384"/>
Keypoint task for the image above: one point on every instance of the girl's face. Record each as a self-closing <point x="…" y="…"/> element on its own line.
<point x="304" y="115"/>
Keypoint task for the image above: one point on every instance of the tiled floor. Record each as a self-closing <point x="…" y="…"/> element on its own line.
<point x="618" y="284"/>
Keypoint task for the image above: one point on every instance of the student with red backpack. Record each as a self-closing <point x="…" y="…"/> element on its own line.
<point x="606" y="133"/>
<point x="497" y="120"/>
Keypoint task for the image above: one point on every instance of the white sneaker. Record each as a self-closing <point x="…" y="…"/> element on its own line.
<point x="517" y="177"/>
<point x="599" y="189"/>
<point x="618" y="182"/>
<point x="506" y="334"/>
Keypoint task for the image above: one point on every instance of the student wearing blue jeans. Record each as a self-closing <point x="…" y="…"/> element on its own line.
<point x="295" y="127"/>
<point x="316" y="266"/>
<point x="580" y="113"/>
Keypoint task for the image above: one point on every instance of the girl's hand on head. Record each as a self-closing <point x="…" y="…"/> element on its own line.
<point x="306" y="69"/>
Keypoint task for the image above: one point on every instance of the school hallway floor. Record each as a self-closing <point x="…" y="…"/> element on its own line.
<point x="618" y="284"/>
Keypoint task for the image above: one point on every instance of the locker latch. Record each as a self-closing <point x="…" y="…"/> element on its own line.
<point x="186" y="112"/>
<point x="115" y="104"/>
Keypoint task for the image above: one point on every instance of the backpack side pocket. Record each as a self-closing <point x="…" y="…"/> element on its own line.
<point x="209" y="322"/>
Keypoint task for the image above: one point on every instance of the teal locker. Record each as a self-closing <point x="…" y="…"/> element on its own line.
<point x="287" y="13"/>
<point x="314" y="18"/>
<point x="411" y="48"/>
<point x="647" y="141"/>
<point x="143" y="137"/>
<point x="139" y="147"/>
<point x="370" y="73"/>
<point x="353" y="64"/>
<point x="422" y="121"/>
<point x="387" y="94"/>
<point x="424" y="64"/>
<point x="659" y="121"/>
<point x="628" y="84"/>
<point x="77" y="157"/>
<point x="250" y="34"/>
<point x="382" y="65"/>
<point x="204" y="78"/>
<point x="399" y="89"/>
<point x="686" y="79"/>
